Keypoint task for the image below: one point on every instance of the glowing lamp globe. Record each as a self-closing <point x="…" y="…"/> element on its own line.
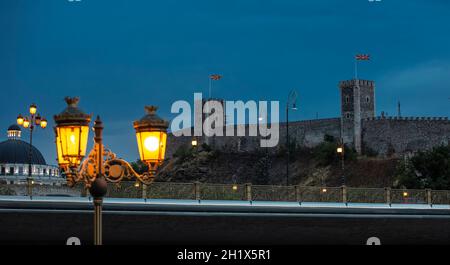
<point x="20" y="120"/>
<point x="33" y="109"/>
<point x="71" y="134"/>
<point x="151" y="137"/>
<point x="44" y="123"/>
<point x="26" y="123"/>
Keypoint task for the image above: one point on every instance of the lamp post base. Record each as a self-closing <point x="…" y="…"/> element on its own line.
<point x="98" y="203"/>
<point x="98" y="190"/>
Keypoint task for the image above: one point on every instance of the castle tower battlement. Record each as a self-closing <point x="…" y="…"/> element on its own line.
<point x="357" y="104"/>
<point x="353" y="82"/>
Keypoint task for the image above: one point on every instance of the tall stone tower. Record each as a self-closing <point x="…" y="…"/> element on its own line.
<point x="357" y="104"/>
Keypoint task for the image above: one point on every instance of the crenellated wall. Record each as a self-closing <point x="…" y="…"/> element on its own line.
<point x="405" y="134"/>
<point x="384" y="135"/>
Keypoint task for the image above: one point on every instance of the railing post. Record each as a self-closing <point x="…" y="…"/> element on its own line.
<point x="429" y="197"/>
<point x="83" y="192"/>
<point x="144" y="191"/>
<point x="388" y="195"/>
<point x="344" y="194"/>
<point x="248" y="191"/>
<point x="298" y="196"/>
<point x="197" y="190"/>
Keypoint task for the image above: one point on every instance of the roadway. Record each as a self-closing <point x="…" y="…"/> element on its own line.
<point x="52" y="220"/>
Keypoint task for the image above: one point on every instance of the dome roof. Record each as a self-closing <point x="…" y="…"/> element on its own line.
<point x="14" y="127"/>
<point x="15" y="151"/>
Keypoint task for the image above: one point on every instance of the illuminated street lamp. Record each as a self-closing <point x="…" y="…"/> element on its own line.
<point x="101" y="165"/>
<point x="341" y="152"/>
<point x="194" y="142"/>
<point x="291" y="104"/>
<point x="71" y="133"/>
<point x="30" y="123"/>
<point x="151" y="136"/>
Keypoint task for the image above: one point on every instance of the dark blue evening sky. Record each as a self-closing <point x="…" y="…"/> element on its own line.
<point x="120" y="55"/>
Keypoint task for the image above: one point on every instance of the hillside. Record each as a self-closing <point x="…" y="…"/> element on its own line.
<point x="263" y="168"/>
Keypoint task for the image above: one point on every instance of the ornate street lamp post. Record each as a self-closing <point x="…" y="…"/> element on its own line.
<point x="101" y="165"/>
<point x="29" y="122"/>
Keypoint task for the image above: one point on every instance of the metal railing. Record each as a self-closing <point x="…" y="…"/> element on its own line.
<point x="245" y="192"/>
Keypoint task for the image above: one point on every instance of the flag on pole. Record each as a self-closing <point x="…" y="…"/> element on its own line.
<point x="215" y="77"/>
<point x="362" y="57"/>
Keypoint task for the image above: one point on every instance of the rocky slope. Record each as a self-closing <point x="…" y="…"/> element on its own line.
<point x="262" y="168"/>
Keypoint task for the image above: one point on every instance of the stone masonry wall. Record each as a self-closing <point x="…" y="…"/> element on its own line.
<point x="304" y="133"/>
<point x="404" y="135"/>
<point x="384" y="135"/>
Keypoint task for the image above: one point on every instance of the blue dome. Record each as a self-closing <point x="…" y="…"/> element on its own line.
<point x="14" y="127"/>
<point x="15" y="151"/>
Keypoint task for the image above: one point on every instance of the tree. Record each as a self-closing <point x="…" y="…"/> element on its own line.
<point x="326" y="152"/>
<point x="139" y="166"/>
<point x="426" y="170"/>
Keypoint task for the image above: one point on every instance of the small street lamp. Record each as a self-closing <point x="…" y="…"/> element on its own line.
<point x="194" y="142"/>
<point x="102" y="165"/>
<point x="341" y="152"/>
<point x="29" y="122"/>
<point x="291" y="104"/>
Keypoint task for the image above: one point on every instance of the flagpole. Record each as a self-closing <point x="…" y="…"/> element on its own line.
<point x="356" y="68"/>
<point x="210" y="85"/>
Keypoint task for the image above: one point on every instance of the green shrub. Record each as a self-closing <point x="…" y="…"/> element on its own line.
<point x="369" y="152"/>
<point x="326" y="152"/>
<point x="139" y="166"/>
<point x="428" y="169"/>
<point x="184" y="152"/>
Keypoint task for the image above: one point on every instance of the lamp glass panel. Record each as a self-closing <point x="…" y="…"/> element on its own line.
<point x="73" y="140"/>
<point x="61" y="160"/>
<point x="152" y="145"/>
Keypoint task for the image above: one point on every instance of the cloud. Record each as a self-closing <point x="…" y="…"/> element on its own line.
<point x="426" y="77"/>
<point x="423" y="89"/>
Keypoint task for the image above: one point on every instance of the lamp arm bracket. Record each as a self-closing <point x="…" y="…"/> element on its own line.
<point x="117" y="169"/>
<point x="114" y="169"/>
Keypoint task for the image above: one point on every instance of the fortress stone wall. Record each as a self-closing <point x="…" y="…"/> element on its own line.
<point x="357" y="127"/>
<point x="304" y="133"/>
<point x="405" y="134"/>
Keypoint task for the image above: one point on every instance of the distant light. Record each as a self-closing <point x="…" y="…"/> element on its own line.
<point x="324" y="190"/>
<point x="194" y="142"/>
<point x="235" y="187"/>
<point x="340" y="150"/>
<point x="405" y="194"/>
